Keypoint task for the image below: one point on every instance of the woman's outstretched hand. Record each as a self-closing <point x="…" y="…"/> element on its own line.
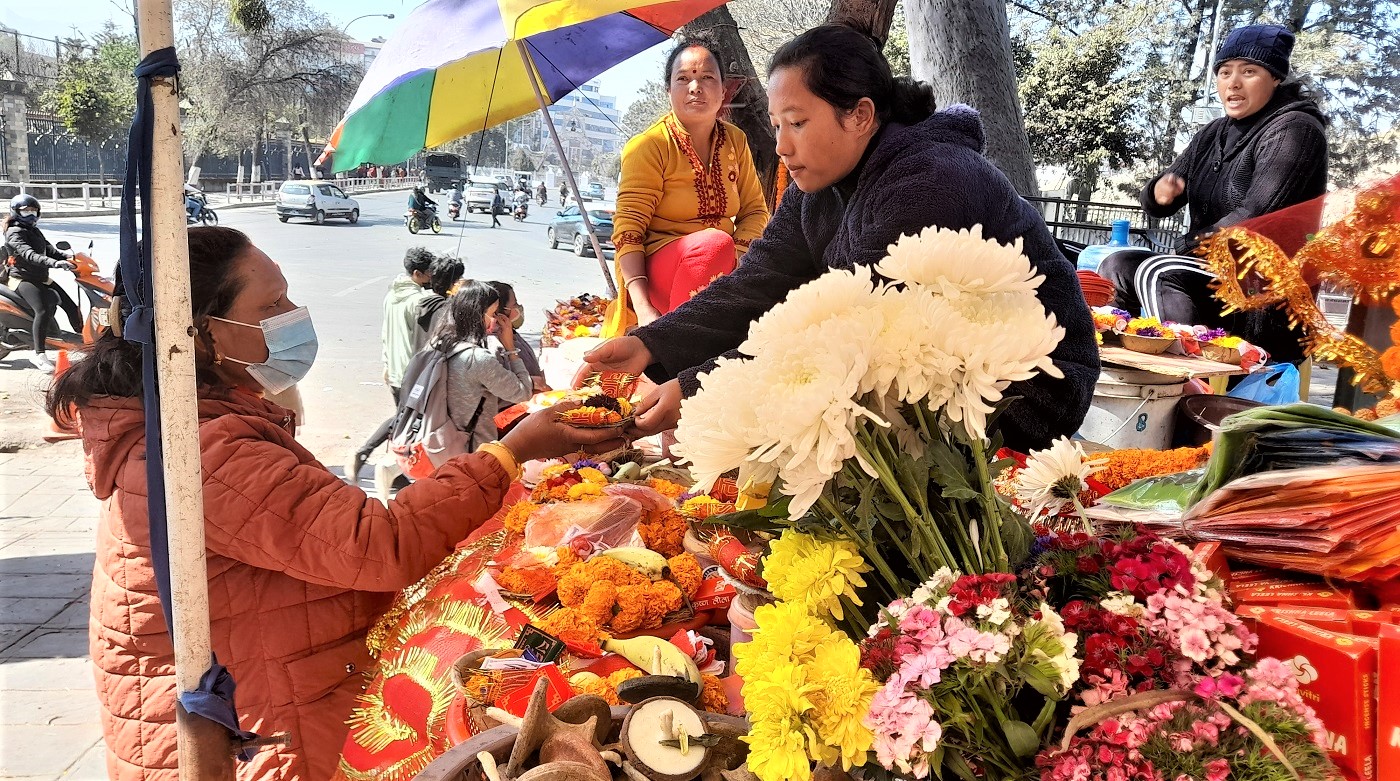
<point x="658" y="411"/>
<point x="544" y="435"/>
<point x="622" y="354"/>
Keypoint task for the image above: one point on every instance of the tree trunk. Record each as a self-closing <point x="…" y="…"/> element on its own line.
<point x="749" y="106"/>
<point x="872" y="17"/>
<point x="963" y="49"/>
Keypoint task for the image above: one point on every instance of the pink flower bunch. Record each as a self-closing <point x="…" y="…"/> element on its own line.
<point x="1208" y="637"/>
<point x="906" y="732"/>
<point x="1272" y="680"/>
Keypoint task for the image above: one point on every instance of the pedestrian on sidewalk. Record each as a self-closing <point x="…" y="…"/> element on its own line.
<point x="31" y="256"/>
<point x="300" y="564"/>
<point x="400" y="338"/>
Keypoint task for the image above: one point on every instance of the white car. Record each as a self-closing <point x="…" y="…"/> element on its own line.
<point x="315" y="200"/>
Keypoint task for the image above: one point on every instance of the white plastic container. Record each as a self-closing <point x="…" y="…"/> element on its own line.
<point x="1133" y="409"/>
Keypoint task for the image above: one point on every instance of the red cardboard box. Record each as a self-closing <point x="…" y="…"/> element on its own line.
<point x="714" y="594"/>
<point x="1298" y="597"/>
<point x="1388" y="714"/>
<point x="1329" y="618"/>
<point x="1211" y="556"/>
<point x="1337" y="677"/>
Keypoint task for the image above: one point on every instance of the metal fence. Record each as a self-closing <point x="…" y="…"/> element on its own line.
<point x="1090" y="222"/>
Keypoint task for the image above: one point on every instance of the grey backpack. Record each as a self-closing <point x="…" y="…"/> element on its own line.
<point x="424" y="437"/>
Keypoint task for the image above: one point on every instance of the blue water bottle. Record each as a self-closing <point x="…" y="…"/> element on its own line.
<point x="1090" y="257"/>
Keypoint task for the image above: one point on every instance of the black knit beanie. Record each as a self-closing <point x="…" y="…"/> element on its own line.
<point x="1267" y="44"/>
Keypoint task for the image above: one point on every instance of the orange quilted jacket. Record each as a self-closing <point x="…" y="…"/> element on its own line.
<point x="300" y="567"/>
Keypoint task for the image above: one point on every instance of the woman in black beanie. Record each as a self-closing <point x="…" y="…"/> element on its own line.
<point x="1268" y="152"/>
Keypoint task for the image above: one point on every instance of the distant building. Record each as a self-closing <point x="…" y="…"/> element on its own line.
<point x="586" y="120"/>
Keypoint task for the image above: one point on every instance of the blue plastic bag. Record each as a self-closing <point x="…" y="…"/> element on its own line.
<point x="1272" y="385"/>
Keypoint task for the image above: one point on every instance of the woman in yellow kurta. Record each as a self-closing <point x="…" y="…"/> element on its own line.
<point x="689" y="202"/>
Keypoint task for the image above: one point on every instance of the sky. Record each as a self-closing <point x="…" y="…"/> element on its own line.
<point x="61" y="17"/>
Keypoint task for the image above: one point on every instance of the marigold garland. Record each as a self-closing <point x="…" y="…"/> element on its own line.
<point x="712" y="697"/>
<point x="518" y="516"/>
<point x="666" y="488"/>
<point x="686" y="573"/>
<point x="572" y="626"/>
<point x="1126" y="466"/>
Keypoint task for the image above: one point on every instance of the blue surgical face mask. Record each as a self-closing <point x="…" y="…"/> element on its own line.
<point x="291" y="349"/>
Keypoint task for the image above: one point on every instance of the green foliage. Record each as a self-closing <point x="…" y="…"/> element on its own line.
<point x="1078" y="103"/>
<point x="651" y="105"/>
<point x="95" y="96"/>
<point x="251" y="15"/>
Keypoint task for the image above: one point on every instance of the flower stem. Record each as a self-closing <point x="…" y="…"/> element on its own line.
<point x="922" y="523"/>
<point x="1083" y="519"/>
<point x="867" y="547"/>
<point x="988" y="500"/>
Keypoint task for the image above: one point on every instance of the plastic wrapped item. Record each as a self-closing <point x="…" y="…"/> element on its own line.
<point x="1169" y="494"/>
<point x="607" y="522"/>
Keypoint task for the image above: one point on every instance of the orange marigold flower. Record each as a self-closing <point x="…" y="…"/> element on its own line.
<point x="631" y="612"/>
<point x="1390" y="363"/>
<point x="1367" y="415"/>
<point x="664" y="531"/>
<point x="666" y="488"/>
<point x="598" y="604"/>
<point x="571" y="626"/>
<point x="663" y="598"/>
<point x="617" y="677"/>
<point x="712" y="697"/>
<point x="518" y="517"/>
<point x="530" y="580"/>
<point x="598" y="688"/>
<point x="685" y="572"/>
<point x="1125" y="466"/>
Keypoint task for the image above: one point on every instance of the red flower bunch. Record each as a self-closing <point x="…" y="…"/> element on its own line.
<point x="1146" y="564"/>
<point x="970" y="591"/>
<point x="878" y="654"/>
<point x="1114" y="642"/>
<point x="1109" y="750"/>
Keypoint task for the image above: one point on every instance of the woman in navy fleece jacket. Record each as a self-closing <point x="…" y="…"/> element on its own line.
<point x="870" y="161"/>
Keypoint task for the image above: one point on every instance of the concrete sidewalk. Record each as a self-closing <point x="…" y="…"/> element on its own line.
<point x="48" y="707"/>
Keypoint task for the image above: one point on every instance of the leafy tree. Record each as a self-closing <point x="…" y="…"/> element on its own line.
<point x="1078" y="105"/>
<point x="95" y="95"/>
<point x="646" y="109"/>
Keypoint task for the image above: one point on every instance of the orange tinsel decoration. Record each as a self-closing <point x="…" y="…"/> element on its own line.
<point x="1126" y="466"/>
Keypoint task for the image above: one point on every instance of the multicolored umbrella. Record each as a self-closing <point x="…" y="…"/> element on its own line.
<point x="452" y="70"/>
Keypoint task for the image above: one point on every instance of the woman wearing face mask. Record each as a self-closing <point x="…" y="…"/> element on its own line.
<point x="689" y="203"/>
<point x="32" y="257"/>
<point x="480" y="380"/>
<point x="856" y="142"/>
<point x="1268" y="152"/>
<point x="511" y="306"/>
<point x="300" y="563"/>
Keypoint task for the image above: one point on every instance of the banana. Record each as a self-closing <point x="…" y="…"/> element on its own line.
<point x="655" y="656"/>
<point x="644" y="560"/>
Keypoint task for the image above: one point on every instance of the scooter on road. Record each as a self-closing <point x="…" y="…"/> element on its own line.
<point x="16" y="318"/>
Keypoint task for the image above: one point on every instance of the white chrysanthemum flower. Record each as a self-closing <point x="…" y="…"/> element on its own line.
<point x="1052" y="478"/>
<point x="1001" y="339"/>
<point x="717" y="429"/>
<point x="808" y="381"/>
<point x="840" y="293"/>
<point x="911" y="359"/>
<point x="1123" y="604"/>
<point x="954" y="263"/>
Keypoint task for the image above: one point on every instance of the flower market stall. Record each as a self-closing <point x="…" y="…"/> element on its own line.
<point x="862" y="582"/>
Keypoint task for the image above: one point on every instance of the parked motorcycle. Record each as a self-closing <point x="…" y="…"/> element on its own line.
<point x="197" y="209"/>
<point x="417" y="220"/>
<point x="16" y="318"/>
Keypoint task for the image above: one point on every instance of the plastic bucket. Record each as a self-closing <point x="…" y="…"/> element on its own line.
<point x="1199" y="417"/>
<point x="1133" y="409"/>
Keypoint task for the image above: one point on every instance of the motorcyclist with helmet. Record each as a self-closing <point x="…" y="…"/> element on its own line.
<point x="30" y="257"/>
<point x="418" y="201"/>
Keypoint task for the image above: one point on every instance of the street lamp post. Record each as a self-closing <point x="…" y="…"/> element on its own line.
<point x="366" y="16"/>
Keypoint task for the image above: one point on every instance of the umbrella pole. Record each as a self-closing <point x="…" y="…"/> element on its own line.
<point x="568" y="172"/>
<point x="205" y="748"/>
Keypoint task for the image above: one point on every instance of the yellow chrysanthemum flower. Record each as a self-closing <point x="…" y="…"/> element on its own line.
<point x="843" y="691"/>
<point x="778" y="750"/>
<point x="785" y="633"/>
<point x="584" y="490"/>
<point x="814" y="572"/>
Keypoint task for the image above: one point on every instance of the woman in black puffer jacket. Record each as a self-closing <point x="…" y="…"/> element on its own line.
<point x="30" y="257"/>
<point x="1268" y="152"/>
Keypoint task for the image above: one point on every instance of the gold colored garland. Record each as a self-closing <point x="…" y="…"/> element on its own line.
<point x="1359" y="254"/>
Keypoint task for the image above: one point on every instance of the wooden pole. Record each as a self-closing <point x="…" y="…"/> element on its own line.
<point x="205" y="747"/>
<point x="568" y="172"/>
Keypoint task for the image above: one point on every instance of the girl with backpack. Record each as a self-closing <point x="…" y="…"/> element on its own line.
<point x="479" y="381"/>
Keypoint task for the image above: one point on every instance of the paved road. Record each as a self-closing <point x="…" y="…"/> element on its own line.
<point x="341" y="271"/>
<point x="48" y="711"/>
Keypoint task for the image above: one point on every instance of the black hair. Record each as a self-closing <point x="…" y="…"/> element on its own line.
<point x="1293" y="90"/>
<point x="112" y="366"/>
<point x="445" y="272"/>
<point x="841" y="65"/>
<point x="504" y="290"/>
<point x="466" y="315"/>
<point x="417" y="259"/>
<point x="690" y="42"/>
